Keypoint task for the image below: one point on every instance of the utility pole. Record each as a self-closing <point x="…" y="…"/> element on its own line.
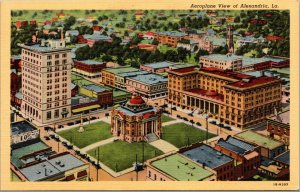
<point x="136" y="167"/>
<point x="206" y="118"/>
<point x="97" y="163"/>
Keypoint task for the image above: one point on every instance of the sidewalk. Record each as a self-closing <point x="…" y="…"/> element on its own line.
<point x="164" y="146"/>
<point x="100" y="143"/>
<point x="76" y="125"/>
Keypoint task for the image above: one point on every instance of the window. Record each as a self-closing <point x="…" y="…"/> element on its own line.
<point x="56" y="56"/>
<point x="57" y="62"/>
<point x="48" y="115"/>
<point x="56" y="113"/>
<point x="49" y="57"/>
<point x="49" y="63"/>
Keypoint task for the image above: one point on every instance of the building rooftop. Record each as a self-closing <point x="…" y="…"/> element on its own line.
<point x="185" y="69"/>
<point x="221" y="57"/>
<point x="252" y="82"/>
<point x="72" y="32"/>
<point x="181" y="169"/>
<point x="235" y="145"/>
<point x="97" y="37"/>
<point x="225" y="73"/>
<point x="207" y="93"/>
<point x="121" y="70"/>
<point x="159" y="65"/>
<point x="275" y="59"/>
<point x="258" y="139"/>
<point x="129" y="112"/>
<point x="284" y="158"/>
<point x="134" y="73"/>
<point x="266" y="161"/>
<point x="21" y="127"/>
<point x="172" y="33"/>
<point x="216" y="41"/>
<point x="27" y="148"/>
<point x="91" y="62"/>
<point x="95" y="88"/>
<point x="283" y="117"/>
<point x="252" y="61"/>
<point x="51" y="167"/>
<point x="42" y="49"/>
<point x="150" y="79"/>
<point x="208" y="156"/>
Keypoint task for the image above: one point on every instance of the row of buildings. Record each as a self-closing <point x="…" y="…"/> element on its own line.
<point x="33" y="160"/>
<point x="241" y="157"/>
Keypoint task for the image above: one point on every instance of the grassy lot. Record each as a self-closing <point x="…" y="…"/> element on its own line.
<point x="121" y="155"/>
<point x="165" y="119"/>
<point x="181" y="134"/>
<point x="14" y="177"/>
<point x="92" y="133"/>
<point x="165" y="48"/>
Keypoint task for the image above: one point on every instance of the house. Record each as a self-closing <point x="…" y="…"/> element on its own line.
<point x="148" y="35"/>
<point x="60" y="16"/>
<point x="139" y="15"/>
<point x="188" y="45"/>
<point x="20" y="24"/>
<point x="91" y="39"/>
<point x="70" y="33"/>
<point x="249" y="40"/>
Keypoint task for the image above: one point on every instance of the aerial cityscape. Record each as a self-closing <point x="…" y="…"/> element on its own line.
<point x="150" y="95"/>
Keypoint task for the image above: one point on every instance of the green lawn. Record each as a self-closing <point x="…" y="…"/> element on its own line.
<point x="121" y="155"/>
<point x="165" y="119"/>
<point x="181" y="134"/>
<point x="92" y="133"/>
<point x="14" y="177"/>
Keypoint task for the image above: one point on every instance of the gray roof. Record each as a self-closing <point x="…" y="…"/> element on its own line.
<point x="72" y="32"/>
<point x="134" y="73"/>
<point x="97" y="37"/>
<point x="53" y="167"/>
<point x="208" y="156"/>
<point x="244" y="145"/>
<point x="21" y="127"/>
<point x="150" y="79"/>
<point x="95" y="88"/>
<point x="91" y="62"/>
<point x="19" y="95"/>
<point x="231" y="147"/>
<point x="172" y="33"/>
<point x="266" y="161"/>
<point x="73" y="86"/>
<point x="13" y="71"/>
<point x="159" y="65"/>
<point x="221" y="57"/>
<point x="39" y="48"/>
<point x="284" y="158"/>
<point x="129" y="112"/>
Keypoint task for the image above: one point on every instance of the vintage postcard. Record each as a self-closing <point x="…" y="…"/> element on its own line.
<point x="136" y="95"/>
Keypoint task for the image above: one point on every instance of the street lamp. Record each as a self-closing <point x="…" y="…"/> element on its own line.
<point x="97" y="163"/>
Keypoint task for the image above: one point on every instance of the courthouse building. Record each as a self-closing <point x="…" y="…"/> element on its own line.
<point x="136" y="121"/>
<point x="235" y="99"/>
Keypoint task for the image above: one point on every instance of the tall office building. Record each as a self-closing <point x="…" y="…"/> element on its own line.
<point x="46" y="78"/>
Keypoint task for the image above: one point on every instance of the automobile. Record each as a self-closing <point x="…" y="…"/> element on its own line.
<point x="192" y="121"/>
<point x="199" y="124"/>
<point x="213" y="122"/>
<point x="178" y="116"/>
<point x="85" y="119"/>
<point x="174" y="108"/>
<point x="70" y="146"/>
<point x="77" y="121"/>
<point x="47" y="128"/>
<point x="93" y="118"/>
<point x="227" y="127"/>
<point x="52" y="136"/>
<point x="221" y="125"/>
<point x="47" y="138"/>
<point x="77" y="152"/>
<point x="56" y="138"/>
<point x="190" y="114"/>
<point x="64" y="143"/>
<point x="70" y="124"/>
<point x="60" y="126"/>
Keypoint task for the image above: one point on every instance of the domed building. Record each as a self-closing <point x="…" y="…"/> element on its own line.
<point x="136" y="121"/>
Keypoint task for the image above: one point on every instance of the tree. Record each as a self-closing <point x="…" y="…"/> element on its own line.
<point x="155" y="42"/>
<point x="95" y="22"/>
<point x="200" y="53"/>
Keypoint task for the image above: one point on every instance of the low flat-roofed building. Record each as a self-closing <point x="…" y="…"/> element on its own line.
<point x="150" y="86"/>
<point x="158" y="67"/>
<point x="246" y="155"/>
<point x="103" y="94"/>
<point x="60" y="167"/>
<point x="230" y="62"/>
<point x="120" y="79"/>
<point x="109" y="74"/>
<point x="23" y="131"/>
<point x="215" y="160"/>
<point x="176" y="167"/>
<point x="274" y="169"/>
<point x="89" y="68"/>
<point x="91" y="39"/>
<point x="170" y="38"/>
<point x="270" y="148"/>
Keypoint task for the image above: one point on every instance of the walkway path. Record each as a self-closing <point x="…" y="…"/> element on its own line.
<point x="100" y="143"/>
<point x="66" y="127"/>
<point x="164" y="146"/>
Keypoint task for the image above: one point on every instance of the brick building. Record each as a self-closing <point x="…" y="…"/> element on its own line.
<point x="169" y="38"/>
<point x="89" y="68"/>
<point x="235" y="99"/>
<point x="247" y="156"/>
<point x="136" y="121"/>
<point x="109" y="74"/>
<point x="209" y="157"/>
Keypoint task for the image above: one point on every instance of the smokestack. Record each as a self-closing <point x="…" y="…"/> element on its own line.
<point x="62" y="34"/>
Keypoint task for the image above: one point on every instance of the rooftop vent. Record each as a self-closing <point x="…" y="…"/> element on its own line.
<point x="246" y="80"/>
<point x="38" y="172"/>
<point x="62" y="165"/>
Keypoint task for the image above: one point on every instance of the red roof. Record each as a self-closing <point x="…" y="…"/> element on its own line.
<point x="253" y="82"/>
<point x="150" y="33"/>
<point x="141" y="34"/>
<point x="225" y="73"/>
<point x="136" y="100"/>
<point x="273" y="38"/>
<point x="147" y="115"/>
<point x="54" y="19"/>
<point x="139" y="13"/>
<point x="184" y="70"/>
<point x="207" y="93"/>
<point x="97" y="28"/>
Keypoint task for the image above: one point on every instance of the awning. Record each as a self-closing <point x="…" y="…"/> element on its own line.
<point x="81" y="173"/>
<point x="85" y="108"/>
<point x="70" y="177"/>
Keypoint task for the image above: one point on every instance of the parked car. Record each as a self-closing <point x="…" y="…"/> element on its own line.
<point x="64" y="143"/>
<point x="52" y="136"/>
<point x="93" y="118"/>
<point x="178" y="116"/>
<point x="77" y="121"/>
<point x="227" y="127"/>
<point x="190" y="114"/>
<point x="221" y="125"/>
<point x="199" y="124"/>
<point x="185" y="119"/>
<point x="213" y="122"/>
<point x="60" y="126"/>
<point x="174" y="108"/>
<point x="70" y="146"/>
<point x="85" y="119"/>
<point x="70" y="124"/>
<point x="47" y="138"/>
